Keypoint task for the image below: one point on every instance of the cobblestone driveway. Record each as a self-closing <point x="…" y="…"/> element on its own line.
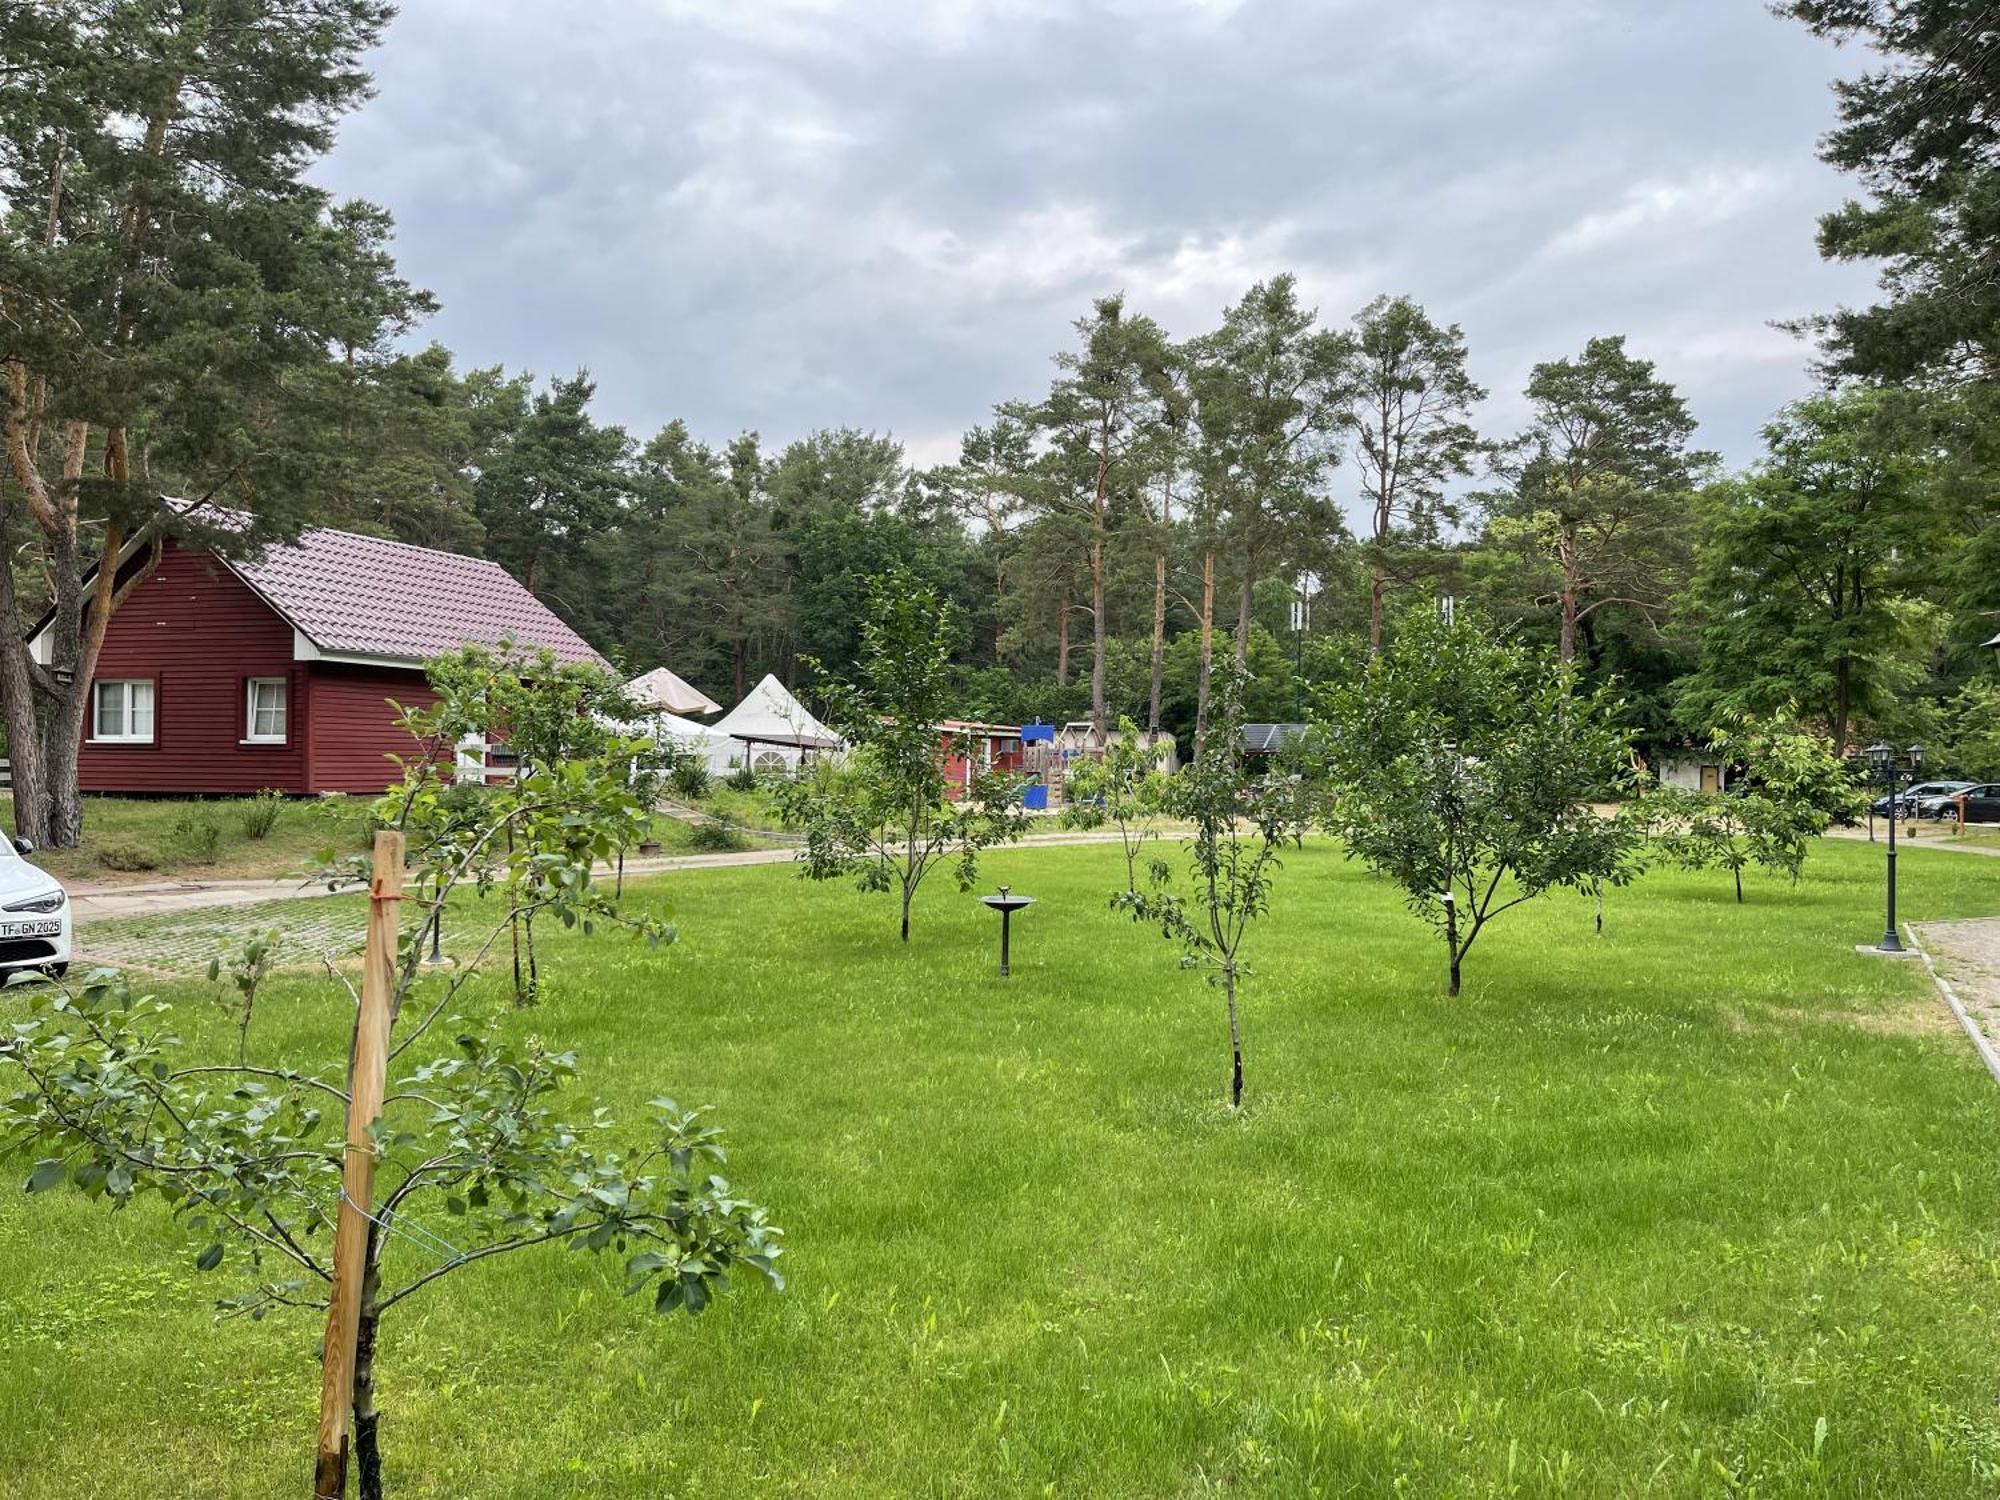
<point x="184" y="943"/>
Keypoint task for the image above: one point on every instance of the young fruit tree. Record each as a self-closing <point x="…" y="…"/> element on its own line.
<point x="882" y="815"/>
<point x="559" y="721"/>
<point x="480" y="1146"/>
<point x="1123" y="787"/>
<point x="1790" y="788"/>
<point x="1241" y="824"/>
<point x="1463" y="767"/>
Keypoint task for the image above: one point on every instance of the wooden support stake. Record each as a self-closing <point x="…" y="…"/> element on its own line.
<point x="367" y="1076"/>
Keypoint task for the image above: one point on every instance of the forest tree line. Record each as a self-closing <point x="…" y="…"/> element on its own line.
<point x="1161" y="500"/>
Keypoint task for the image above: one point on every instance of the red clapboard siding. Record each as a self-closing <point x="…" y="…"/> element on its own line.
<point x="199" y="633"/>
<point x="354" y="728"/>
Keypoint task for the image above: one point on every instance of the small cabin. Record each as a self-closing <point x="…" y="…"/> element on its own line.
<point x="284" y="670"/>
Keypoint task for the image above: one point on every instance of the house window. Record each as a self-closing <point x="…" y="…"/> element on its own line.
<point x="123" y="712"/>
<point x="265" y="716"/>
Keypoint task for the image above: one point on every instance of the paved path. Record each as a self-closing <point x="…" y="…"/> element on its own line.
<point x="1929" y="839"/>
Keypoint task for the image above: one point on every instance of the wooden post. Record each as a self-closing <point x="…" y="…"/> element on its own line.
<point x="367" y="1075"/>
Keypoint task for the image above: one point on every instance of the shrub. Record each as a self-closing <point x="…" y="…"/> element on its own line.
<point x="742" y="779"/>
<point x="690" y="779"/>
<point x="196" y="836"/>
<point x="127" y="856"/>
<point x="715" y="838"/>
<point x="259" y="815"/>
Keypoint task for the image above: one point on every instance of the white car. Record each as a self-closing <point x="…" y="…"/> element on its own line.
<point x="34" y="916"/>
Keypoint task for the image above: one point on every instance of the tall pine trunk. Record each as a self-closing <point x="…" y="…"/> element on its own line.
<point x="17" y="702"/>
<point x="1207" y="648"/>
<point x="1243" y="605"/>
<point x="1097" y="643"/>
<point x="1159" y="645"/>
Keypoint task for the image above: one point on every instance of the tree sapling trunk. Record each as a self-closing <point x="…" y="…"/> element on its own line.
<point x="1451" y="938"/>
<point x="367" y="1420"/>
<point x="1235" y="1039"/>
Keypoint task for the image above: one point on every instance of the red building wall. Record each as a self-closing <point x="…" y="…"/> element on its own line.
<point x="354" y="729"/>
<point x="199" y="633"/>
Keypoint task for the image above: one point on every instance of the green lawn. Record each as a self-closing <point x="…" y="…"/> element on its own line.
<point x="1708" y="1205"/>
<point x="1983" y="838"/>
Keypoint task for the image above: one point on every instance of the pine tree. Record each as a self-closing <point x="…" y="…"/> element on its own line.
<point x="173" y="293"/>
<point x="1412" y="433"/>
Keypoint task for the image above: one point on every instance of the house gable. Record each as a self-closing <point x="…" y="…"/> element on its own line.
<point x="194" y="631"/>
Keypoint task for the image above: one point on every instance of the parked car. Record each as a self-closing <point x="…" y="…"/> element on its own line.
<point x="34" y="916"/>
<point x="1910" y="801"/>
<point x="1982" y="803"/>
<point x="1944" y="804"/>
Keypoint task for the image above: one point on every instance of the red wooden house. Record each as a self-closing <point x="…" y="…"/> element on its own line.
<point x="232" y="675"/>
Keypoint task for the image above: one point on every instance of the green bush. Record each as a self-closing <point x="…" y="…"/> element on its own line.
<point x="742" y="779"/>
<point x="123" y="855"/>
<point x="463" y="800"/>
<point x="260" y="814"/>
<point x="690" y="779"/>
<point x="196" y="836"/>
<point x="715" y="838"/>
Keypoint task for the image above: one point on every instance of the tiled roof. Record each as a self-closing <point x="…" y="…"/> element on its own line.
<point x="358" y="595"/>
<point x="1268" y="739"/>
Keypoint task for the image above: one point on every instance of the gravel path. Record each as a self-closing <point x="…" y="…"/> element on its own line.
<point x="1968" y="954"/>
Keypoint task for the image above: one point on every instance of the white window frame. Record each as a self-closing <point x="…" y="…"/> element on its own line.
<point x="128" y="697"/>
<point x="250" y="734"/>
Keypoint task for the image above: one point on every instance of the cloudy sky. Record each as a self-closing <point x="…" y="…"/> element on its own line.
<point x="786" y="214"/>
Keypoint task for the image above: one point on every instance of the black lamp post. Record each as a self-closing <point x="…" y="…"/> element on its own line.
<point x="1883" y="758"/>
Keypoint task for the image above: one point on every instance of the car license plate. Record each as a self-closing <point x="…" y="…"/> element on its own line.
<point x="46" y="927"/>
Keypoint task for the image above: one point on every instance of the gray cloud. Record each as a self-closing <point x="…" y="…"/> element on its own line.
<point x="784" y="214"/>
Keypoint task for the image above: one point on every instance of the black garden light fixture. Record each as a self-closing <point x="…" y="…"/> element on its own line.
<point x="1889" y="763"/>
<point x="1006" y="904"/>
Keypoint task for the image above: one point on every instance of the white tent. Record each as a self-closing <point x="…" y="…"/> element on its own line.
<point x="716" y="751"/>
<point x="771" y="730"/>
<point x="662" y="691"/>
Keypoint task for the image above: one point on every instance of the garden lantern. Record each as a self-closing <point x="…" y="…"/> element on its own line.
<point x="1006" y="905"/>
<point x="1886" y="763"/>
